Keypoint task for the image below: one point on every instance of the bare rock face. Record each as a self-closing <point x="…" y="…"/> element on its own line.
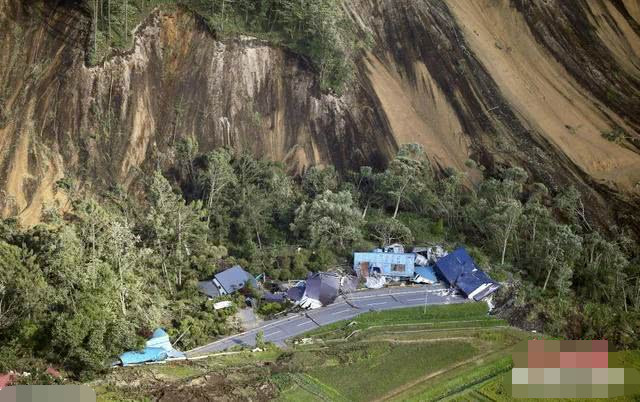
<point x="522" y="82"/>
<point x="111" y="124"/>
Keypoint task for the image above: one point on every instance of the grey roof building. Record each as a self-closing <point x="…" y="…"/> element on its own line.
<point x="226" y="282"/>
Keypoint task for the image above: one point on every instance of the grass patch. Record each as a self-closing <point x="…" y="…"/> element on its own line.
<point x="462" y="379"/>
<point x="441" y="316"/>
<point x="386" y="366"/>
<point x="178" y="371"/>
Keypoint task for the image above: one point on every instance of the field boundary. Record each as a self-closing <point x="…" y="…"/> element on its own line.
<point x="407" y="386"/>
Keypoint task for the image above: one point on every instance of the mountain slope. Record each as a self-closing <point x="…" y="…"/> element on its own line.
<point x="528" y="83"/>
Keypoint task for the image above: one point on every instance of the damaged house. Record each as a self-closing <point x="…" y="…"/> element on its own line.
<point x="459" y="270"/>
<point x="321" y="289"/>
<point x="226" y="282"/>
<point x="391" y="262"/>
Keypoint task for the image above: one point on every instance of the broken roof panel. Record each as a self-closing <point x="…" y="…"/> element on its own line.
<point x="273" y="297"/>
<point x="295" y="293"/>
<point x="453" y="265"/>
<point x="143" y="356"/>
<point x="459" y="270"/>
<point x="468" y="282"/>
<point x="158" y="348"/>
<point x="323" y="286"/>
<point x="348" y="284"/>
<point x="159" y="339"/>
<point x="426" y="273"/>
<point x="484" y="291"/>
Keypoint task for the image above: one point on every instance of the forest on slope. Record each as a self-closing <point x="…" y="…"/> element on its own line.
<point x="89" y="283"/>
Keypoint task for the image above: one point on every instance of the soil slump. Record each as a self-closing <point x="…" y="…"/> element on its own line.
<point x="527" y="83"/>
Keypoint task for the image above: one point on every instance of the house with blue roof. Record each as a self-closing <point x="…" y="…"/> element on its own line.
<point x="459" y="270"/>
<point x="385" y="263"/>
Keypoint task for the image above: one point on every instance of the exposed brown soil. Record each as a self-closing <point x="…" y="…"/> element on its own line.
<point x="533" y="84"/>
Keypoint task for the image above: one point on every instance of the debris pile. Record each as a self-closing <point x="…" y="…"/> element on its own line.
<point x="425" y="265"/>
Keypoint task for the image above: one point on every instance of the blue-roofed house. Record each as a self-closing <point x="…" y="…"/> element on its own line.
<point x="379" y="262"/>
<point x="476" y="284"/>
<point x="227" y="282"/>
<point x="459" y="270"/>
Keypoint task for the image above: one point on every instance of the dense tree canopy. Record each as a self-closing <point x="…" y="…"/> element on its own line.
<point x="319" y="31"/>
<point x="80" y="288"/>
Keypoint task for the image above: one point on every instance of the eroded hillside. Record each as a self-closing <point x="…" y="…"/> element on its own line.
<point x="538" y="84"/>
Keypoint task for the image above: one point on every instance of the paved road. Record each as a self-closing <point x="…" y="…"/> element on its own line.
<point x="345" y="307"/>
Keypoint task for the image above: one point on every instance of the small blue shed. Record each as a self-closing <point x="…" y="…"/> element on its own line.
<point x="401" y="265"/>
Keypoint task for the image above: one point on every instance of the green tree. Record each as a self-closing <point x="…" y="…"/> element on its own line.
<point x="330" y="219"/>
<point x="563" y="249"/>
<point x="22" y="286"/>
<point x="317" y="180"/>
<point x="367" y="184"/>
<point x="387" y="231"/>
<point x="503" y="222"/>
<point x="260" y="343"/>
<point x="126" y="257"/>
<point x="409" y="171"/>
<point x="569" y="203"/>
<point x="174" y="229"/>
<point x="215" y="178"/>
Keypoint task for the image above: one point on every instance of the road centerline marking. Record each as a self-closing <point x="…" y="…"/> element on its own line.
<point x="340" y="312"/>
<point x="376" y="304"/>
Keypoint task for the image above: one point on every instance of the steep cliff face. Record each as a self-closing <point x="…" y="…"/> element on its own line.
<point x="111" y="124"/>
<point x="529" y="83"/>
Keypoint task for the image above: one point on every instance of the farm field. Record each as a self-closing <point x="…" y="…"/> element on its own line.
<point x="450" y="352"/>
<point x="393" y="354"/>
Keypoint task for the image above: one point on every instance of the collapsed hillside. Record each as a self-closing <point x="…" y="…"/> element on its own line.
<point x="539" y="84"/>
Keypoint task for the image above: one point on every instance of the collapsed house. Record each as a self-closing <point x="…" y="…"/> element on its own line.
<point x="321" y="289"/>
<point x="459" y="270"/>
<point x="380" y="265"/>
<point x="390" y="261"/>
<point x="226" y="282"/>
<point x="428" y="255"/>
<point x="157" y="348"/>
